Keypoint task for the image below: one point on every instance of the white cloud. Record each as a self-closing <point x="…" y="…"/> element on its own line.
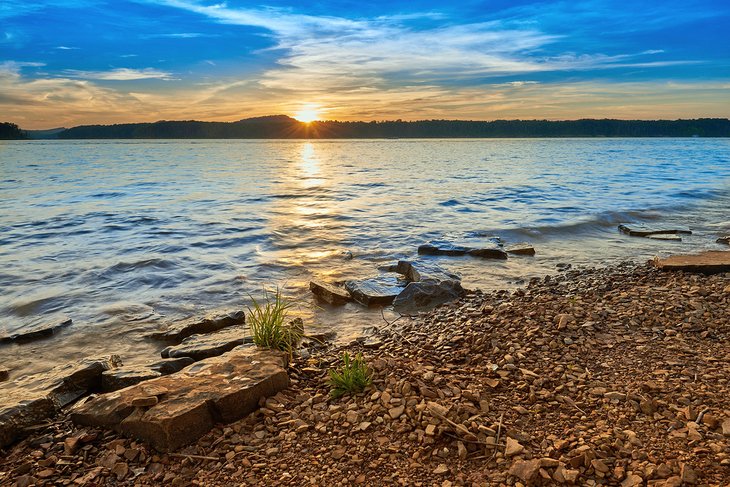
<point x="120" y="74"/>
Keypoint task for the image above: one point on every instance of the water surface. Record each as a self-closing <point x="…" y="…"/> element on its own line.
<point x="123" y="235"/>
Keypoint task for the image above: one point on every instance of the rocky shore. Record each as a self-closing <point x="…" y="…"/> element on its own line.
<point x="613" y="376"/>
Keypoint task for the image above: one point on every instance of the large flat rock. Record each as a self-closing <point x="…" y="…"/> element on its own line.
<point x="29" y="400"/>
<point x="420" y="296"/>
<point x="706" y="262"/>
<point x="199" y="347"/>
<point x="179" y="330"/>
<point x="375" y="291"/>
<point x="184" y="406"/>
<point x="34" y="332"/>
<point x="330" y="293"/>
<point x="646" y="230"/>
<point x="438" y="247"/>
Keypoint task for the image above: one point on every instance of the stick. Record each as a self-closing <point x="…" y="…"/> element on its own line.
<point x="193" y="457"/>
<point x="499" y="431"/>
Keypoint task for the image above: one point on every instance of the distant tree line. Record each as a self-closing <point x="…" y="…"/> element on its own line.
<point x="9" y="131"/>
<point x="283" y="127"/>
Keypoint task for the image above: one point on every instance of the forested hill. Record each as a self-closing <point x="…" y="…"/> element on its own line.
<point x="283" y="127"/>
<point x="10" y="131"/>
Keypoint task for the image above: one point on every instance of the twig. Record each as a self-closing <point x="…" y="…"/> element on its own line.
<point x="193" y="457"/>
<point x="499" y="431"/>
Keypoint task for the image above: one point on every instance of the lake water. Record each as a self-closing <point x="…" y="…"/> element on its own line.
<point x="124" y="235"/>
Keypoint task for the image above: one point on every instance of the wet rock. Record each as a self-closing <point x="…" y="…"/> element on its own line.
<point x="522" y="248"/>
<point x="724" y="240"/>
<point x="667" y="237"/>
<point x="495" y="252"/>
<point x="35" y="332"/>
<point x="216" y="390"/>
<point x="642" y="230"/>
<point x="333" y="295"/>
<point x="115" y="379"/>
<point x="416" y="271"/>
<point x="419" y="296"/>
<point x="199" y="347"/>
<point x="4" y="375"/>
<point x="30" y="400"/>
<point x="375" y="291"/>
<point x="171" y="365"/>
<point x="442" y="248"/>
<point x="182" y="329"/>
<point x="706" y="262"/>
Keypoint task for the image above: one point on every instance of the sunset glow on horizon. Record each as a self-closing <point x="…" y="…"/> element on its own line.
<point x="409" y="60"/>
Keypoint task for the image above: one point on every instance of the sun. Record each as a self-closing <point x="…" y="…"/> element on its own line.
<point x="307" y="114"/>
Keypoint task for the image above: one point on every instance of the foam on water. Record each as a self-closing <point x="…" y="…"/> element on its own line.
<point x="122" y="235"/>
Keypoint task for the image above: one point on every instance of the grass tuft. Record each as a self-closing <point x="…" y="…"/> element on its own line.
<point x="267" y="320"/>
<point x="351" y="377"/>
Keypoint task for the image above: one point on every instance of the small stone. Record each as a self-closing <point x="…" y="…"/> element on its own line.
<point x="599" y="465"/>
<point x="337" y="453"/>
<point x="396" y="412"/>
<point x="525" y="470"/>
<point x="351" y="417"/>
<point x="364" y="425"/>
<point x="632" y="480"/>
<point x="688" y="475"/>
<point x="44" y="474"/>
<point x="431" y="429"/>
<point x="461" y="450"/>
<point x="513" y="448"/>
<point x="441" y="469"/>
<point x="121" y="470"/>
<point x="726" y="427"/>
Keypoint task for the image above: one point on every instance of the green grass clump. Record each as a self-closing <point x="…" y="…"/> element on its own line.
<point x="351" y="377"/>
<point x="267" y="321"/>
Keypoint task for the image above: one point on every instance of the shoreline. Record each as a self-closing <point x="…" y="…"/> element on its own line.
<point x="603" y="376"/>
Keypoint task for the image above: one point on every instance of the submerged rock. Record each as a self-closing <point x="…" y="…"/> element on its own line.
<point x="418" y="296"/>
<point x="189" y="403"/>
<point x="30" y="400"/>
<point x="334" y="295"/>
<point x="36" y="332"/>
<point x="643" y="230"/>
<point x="179" y="330"/>
<point x="706" y="262"/>
<point x="375" y="291"/>
<point x="199" y="347"/>
<point x="495" y="252"/>
<point x="724" y="240"/>
<point x="522" y="248"/>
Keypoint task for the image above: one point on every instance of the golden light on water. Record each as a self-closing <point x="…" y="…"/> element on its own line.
<point x="308" y="113"/>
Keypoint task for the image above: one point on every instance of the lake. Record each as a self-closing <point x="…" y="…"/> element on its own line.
<point x="122" y="236"/>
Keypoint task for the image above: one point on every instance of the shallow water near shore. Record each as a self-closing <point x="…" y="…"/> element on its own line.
<point x="123" y="236"/>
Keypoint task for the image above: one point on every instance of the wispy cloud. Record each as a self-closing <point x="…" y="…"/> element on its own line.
<point x="65" y="48"/>
<point x="120" y="74"/>
<point x="178" y="35"/>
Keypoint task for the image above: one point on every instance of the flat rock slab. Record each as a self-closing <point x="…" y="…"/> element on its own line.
<point x="419" y="271"/>
<point x="182" y="329"/>
<point x="189" y="403"/>
<point x="641" y="230"/>
<point x="724" y="240"/>
<point x="129" y="375"/>
<point x="29" y="400"/>
<point x="375" y="291"/>
<point x="35" y="332"/>
<point x="706" y="262"/>
<point x="522" y="248"/>
<point x="330" y="293"/>
<point x="446" y="248"/>
<point x="199" y="347"/>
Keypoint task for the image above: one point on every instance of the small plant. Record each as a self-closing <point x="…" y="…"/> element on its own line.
<point x="351" y="377"/>
<point x="267" y="321"/>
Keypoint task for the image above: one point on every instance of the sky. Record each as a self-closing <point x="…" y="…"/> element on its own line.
<point x="72" y="62"/>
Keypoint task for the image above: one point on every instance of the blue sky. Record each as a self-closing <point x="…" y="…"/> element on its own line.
<point x="68" y="62"/>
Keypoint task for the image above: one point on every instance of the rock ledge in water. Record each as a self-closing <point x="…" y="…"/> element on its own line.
<point x="36" y="332"/>
<point x="375" y="291"/>
<point x="182" y="329"/>
<point x="642" y="230"/>
<point x="121" y="377"/>
<point x="724" y="240"/>
<point x="199" y="347"/>
<point x="189" y="403"/>
<point x="32" y="399"/>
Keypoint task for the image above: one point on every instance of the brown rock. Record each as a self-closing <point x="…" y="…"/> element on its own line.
<point x="144" y="401"/>
<point x="632" y="480"/>
<point x="706" y="262"/>
<point x="513" y="447"/>
<point x="216" y="390"/>
<point x="726" y="427"/>
<point x="525" y="470"/>
<point x="687" y="474"/>
<point x="29" y="333"/>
